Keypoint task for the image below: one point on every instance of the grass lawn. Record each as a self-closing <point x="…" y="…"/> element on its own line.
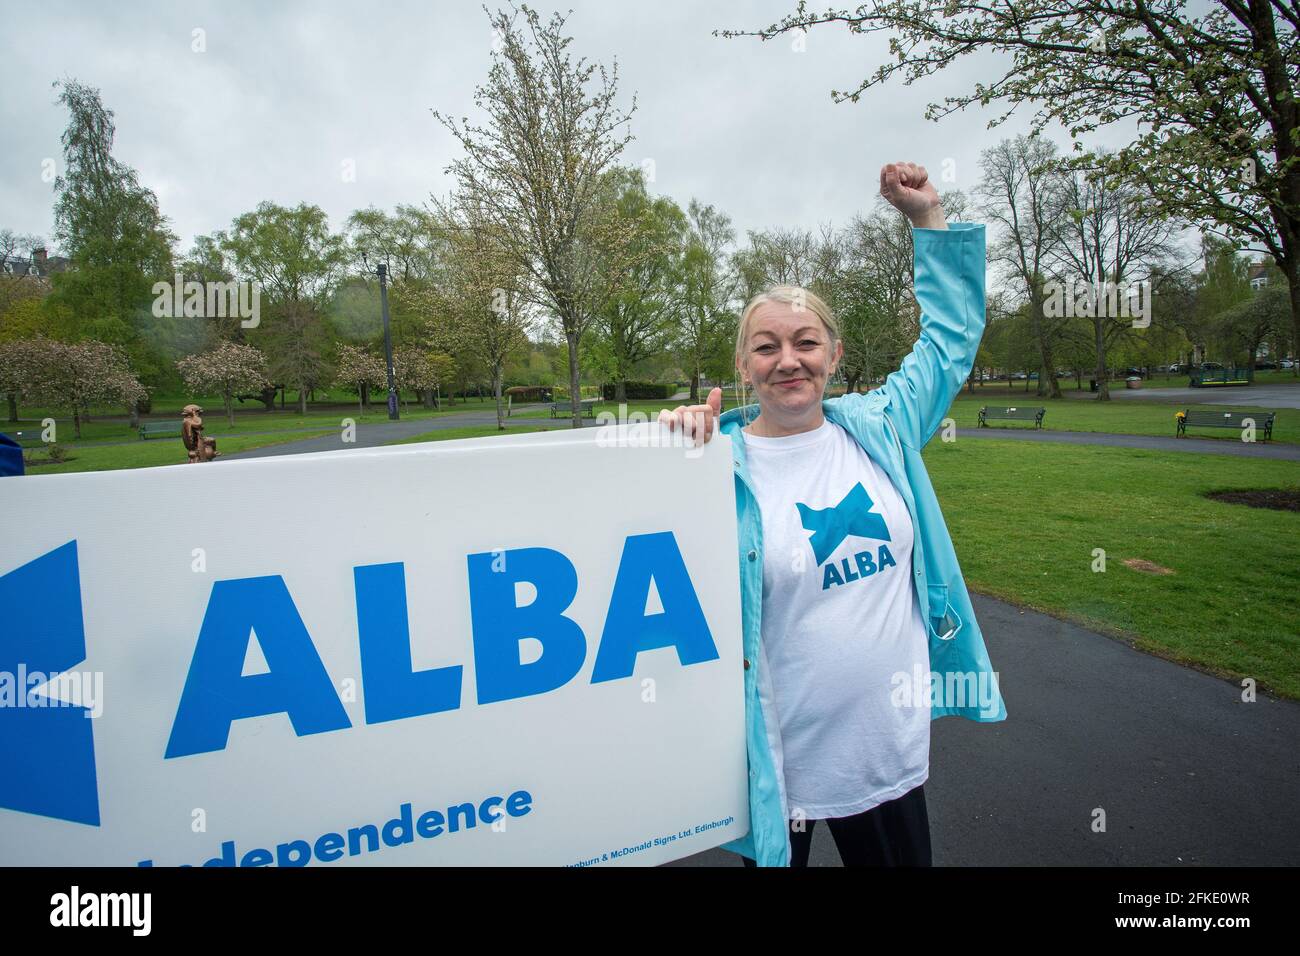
<point x="1025" y="519"/>
<point x="157" y="451"/>
<point x="1143" y="417"/>
<point x="473" y="431"/>
<point x="1075" y="415"/>
<point x="111" y="424"/>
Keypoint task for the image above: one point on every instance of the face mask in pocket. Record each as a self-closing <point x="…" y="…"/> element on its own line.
<point x="944" y="621"/>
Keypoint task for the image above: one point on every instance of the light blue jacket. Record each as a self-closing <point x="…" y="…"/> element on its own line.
<point x="892" y="423"/>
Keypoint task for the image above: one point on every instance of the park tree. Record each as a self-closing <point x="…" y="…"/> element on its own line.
<point x="1023" y="194"/>
<point x="15" y="288"/>
<point x="640" y="319"/>
<point x="1009" y="336"/>
<point x="110" y="228"/>
<point x="21" y="362"/>
<point x="1216" y="93"/>
<point x="1224" y="283"/>
<point x="361" y="369"/>
<point x="479" y="310"/>
<point x="1107" y="235"/>
<point x="227" y="369"/>
<point x="404" y="240"/>
<point x="354" y="311"/>
<point x="782" y="256"/>
<point x="876" y="306"/>
<point x="870" y="332"/>
<point x="75" y="376"/>
<point x="205" y="263"/>
<point x="415" y="370"/>
<point x="296" y="261"/>
<point x="1245" y="326"/>
<point x="536" y="167"/>
<point x="706" y="318"/>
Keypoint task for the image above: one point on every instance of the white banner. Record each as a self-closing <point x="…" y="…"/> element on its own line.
<point x="519" y="650"/>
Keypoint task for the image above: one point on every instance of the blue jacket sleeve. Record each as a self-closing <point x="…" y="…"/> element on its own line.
<point x="949" y="286"/>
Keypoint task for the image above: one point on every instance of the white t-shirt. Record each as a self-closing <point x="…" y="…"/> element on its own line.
<point x="839" y="621"/>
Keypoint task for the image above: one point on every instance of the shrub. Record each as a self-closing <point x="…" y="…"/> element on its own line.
<point x="529" y="393"/>
<point x="651" y="390"/>
<point x="560" y="393"/>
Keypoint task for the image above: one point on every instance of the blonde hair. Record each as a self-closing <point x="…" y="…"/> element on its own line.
<point x="801" y="299"/>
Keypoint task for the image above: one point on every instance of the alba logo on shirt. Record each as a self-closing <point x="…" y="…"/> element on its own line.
<point x="830" y="526"/>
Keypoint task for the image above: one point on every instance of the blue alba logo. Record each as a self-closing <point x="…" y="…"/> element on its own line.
<point x="47" y="753"/>
<point x="831" y="526"/>
<point x="217" y="692"/>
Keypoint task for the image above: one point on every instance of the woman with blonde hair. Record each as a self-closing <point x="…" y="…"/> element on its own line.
<point x="852" y="597"/>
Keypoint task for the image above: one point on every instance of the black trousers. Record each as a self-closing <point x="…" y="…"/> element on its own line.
<point x="896" y="833"/>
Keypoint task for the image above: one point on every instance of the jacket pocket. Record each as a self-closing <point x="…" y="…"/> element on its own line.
<point x="944" y="622"/>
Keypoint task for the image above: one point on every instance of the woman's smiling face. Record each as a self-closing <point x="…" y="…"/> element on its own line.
<point x="787" y="359"/>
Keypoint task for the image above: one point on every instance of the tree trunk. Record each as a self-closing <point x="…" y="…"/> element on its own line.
<point x="1047" y="384"/>
<point x="695" y="387"/>
<point x="496" y="394"/>
<point x="76" y="421"/>
<point x="575" y="404"/>
<point x="13" y="406"/>
<point x="1291" y="269"/>
<point x="426" y="396"/>
<point x="302" y="400"/>
<point x="363" y="395"/>
<point x="1099" y="344"/>
<point x="230" y="409"/>
<point x="133" y="413"/>
<point x="620" y="390"/>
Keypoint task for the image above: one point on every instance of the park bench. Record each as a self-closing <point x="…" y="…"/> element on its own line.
<point x="159" y="429"/>
<point x="565" y="409"/>
<point x="1200" y="378"/>
<point x="1020" y="413"/>
<point x="1208" y="418"/>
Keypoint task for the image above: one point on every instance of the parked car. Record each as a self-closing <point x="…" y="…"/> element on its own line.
<point x="1286" y="363"/>
<point x="1019" y="376"/>
<point x="1265" y="365"/>
<point x="1211" y="367"/>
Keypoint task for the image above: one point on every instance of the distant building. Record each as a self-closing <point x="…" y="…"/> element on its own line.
<point x="39" y="266"/>
<point x="1258" y="275"/>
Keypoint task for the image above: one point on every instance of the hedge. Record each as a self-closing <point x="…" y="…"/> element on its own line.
<point x="652" y="390"/>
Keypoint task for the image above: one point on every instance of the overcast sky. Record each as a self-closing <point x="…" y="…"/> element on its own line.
<point x="286" y="94"/>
